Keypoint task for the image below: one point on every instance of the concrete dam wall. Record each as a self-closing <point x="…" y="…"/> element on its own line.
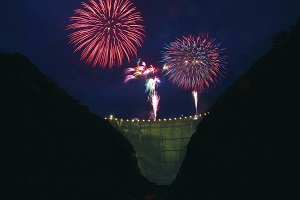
<point x="160" y="145"/>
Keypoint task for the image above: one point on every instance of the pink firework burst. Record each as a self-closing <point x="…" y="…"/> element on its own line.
<point x="141" y="70"/>
<point x="107" y="31"/>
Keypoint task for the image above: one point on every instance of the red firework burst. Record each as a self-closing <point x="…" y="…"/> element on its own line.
<point x="106" y="31"/>
<point x="194" y="63"/>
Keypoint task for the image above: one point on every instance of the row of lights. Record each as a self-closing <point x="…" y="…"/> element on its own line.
<point x="137" y="120"/>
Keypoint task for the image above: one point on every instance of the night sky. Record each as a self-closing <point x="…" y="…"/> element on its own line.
<point x="245" y="28"/>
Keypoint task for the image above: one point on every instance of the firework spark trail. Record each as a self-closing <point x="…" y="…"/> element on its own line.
<point x="148" y="71"/>
<point x="128" y="78"/>
<point x="141" y="70"/>
<point x="151" y="86"/>
<point x="154" y="98"/>
<point x="129" y="70"/>
<point x="194" y="63"/>
<point x="107" y="31"/>
<point x="154" y="101"/>
<point x="195" y="95"/>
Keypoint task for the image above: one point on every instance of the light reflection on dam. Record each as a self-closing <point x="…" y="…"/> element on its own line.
<point x="160" y="145"/>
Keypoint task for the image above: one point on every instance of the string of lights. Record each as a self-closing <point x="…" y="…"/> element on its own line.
<point x="111" y="117"/>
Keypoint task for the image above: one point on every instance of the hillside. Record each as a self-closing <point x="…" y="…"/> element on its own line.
<point x="243" y="149"/>
<point x="52" y="147"/>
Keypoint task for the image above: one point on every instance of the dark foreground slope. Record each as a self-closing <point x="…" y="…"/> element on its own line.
<point x="52" y="147"/>
<point x="242" y="150"/>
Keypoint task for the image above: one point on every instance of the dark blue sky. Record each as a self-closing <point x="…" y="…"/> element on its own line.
<point x="245" y="28"/>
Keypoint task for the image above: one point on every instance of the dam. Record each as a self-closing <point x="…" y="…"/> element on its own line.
<point x="160" y="145"/>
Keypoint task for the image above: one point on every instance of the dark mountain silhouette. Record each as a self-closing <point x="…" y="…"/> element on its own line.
<point x="242" y="149"/>
<point x="52" y="147"/>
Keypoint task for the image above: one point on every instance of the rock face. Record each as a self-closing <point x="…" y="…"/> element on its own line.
<point x="52" y="147"/>
<point x="242" y="149"/>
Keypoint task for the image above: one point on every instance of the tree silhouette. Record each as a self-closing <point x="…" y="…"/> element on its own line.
<point x="295" y="29"/>
<point x="280" y="38"/>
